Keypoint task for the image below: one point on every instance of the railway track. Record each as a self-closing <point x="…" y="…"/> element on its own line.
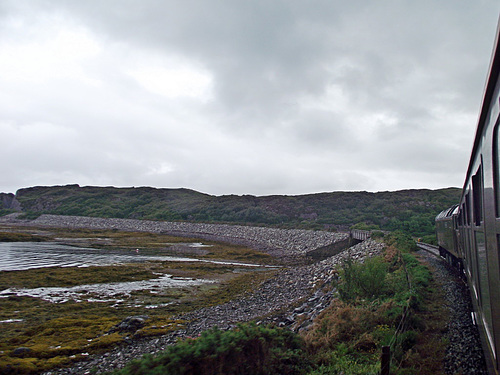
<point x="434" y="250"/>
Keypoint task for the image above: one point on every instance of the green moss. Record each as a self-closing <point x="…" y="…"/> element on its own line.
<point x="14" y="365"/>
<point x="226" y="291"/>
<point x="20" y="237"/>
<point x="72" y="276"/>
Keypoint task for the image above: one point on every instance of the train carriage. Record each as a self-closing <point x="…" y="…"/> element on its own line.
<point x="470" y="232"/>
<point x="446" y="231"/>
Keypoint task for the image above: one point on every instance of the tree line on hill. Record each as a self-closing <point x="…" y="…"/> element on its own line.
<point x="412" y="211"/>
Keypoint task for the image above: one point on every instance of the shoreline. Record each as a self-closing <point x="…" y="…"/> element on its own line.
<point x="290" y="245"/>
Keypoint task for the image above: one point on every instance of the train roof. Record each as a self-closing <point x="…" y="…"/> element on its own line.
<point x="493" y="73"/>
<point x="449" y="212"/>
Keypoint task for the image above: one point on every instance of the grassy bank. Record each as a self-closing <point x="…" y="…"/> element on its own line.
<point x="389" y="300"/>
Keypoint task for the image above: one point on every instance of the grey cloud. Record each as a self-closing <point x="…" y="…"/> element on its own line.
<point x="306" y="96"/>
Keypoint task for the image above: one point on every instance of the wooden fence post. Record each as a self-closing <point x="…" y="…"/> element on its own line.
<point x="385" y="364"/>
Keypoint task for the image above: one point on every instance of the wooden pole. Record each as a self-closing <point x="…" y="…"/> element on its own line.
<point x="385" y="364"/>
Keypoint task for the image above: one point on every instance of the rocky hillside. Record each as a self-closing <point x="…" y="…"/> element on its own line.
<point x="410" y="210"/>
<point x="9" y="202"/>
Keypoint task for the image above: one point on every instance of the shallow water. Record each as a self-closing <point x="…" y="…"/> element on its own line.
<point x="28" y="255"/>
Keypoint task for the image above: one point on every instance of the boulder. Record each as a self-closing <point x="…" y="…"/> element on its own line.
<point x="21" y="352"/>
<point x="130" y="324"/>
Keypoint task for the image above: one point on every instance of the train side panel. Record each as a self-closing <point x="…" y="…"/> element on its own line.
<point x="478" y="220"/>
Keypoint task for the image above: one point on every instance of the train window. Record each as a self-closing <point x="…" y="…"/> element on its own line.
<point x="484" y="288"/>
<point x="467" y="208"/>
<point x="496" y="166"/>
<point x="477" y="196"/>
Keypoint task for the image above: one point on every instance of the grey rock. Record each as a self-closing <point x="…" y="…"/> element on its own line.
<point x="130" y="324"/>
<point x="21" y="352"/>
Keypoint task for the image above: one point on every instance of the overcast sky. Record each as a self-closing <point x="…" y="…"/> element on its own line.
<point x="242" y="97"/>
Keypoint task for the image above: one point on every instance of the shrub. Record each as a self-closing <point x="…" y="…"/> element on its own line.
<point x="430" y="239"/>
<point x="29" y="215"/>
<point x="364" y="280"/>
<point x="248" y="349"/>
<point x="402" y="241"/>
<point x="5" y="211"/>
<point x="365" y="226"/>
<point x="339" y="324"/>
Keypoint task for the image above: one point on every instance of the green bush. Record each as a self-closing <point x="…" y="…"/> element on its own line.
<point x="420" y="275"/>
<point x="247" y="349"/>
<point x="29" y="215"/>
<point x="404" y="342"/>
<point x="364" y="280"/>
<point x="4" y="211"/>
<point x="365" y="226"/>
<point x="401" y="240"/>
<point x="377" y="234"/>
<point x="345" y="364"/>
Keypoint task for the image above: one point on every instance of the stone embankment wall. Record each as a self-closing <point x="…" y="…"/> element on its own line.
<point x="277" y="242"/>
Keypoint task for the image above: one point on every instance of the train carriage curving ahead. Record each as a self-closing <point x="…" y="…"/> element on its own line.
<point x="469" y="233"/>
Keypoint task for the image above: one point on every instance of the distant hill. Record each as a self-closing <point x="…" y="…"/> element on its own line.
<point x="409" y="210"/>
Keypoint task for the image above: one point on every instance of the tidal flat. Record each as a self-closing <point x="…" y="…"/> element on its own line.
<point x="38" y="333"/>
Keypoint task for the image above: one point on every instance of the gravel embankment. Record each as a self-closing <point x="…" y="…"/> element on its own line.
<point x="277" y="242"/>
